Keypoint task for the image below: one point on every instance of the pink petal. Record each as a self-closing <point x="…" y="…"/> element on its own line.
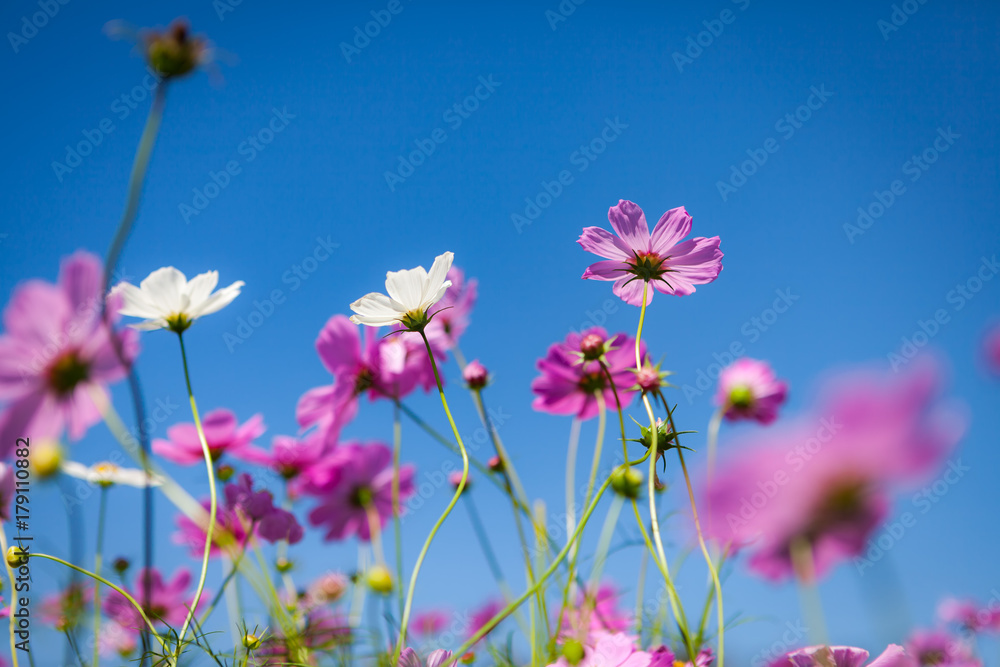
<point x="699" y="260"/>
<point x="602" y="242"/>
<point x="339" y="344"/>
<point x="672" y="227"/>
<point x="631" y="292"/>
<point x="629" y="222"/>
<point x="611" y="269"/>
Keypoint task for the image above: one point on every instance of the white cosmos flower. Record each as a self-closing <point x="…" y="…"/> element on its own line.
<point x="411" y="293"/>
<point x="107" y="474"/>
<point x="168" y="300"/>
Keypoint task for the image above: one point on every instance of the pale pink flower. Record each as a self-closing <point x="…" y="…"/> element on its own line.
<point x="610" y="650"/>
<point x="749" y="389"/>
<point x="168" y="603"/>
<point x="223" y="434"/>
<point x="842" y="656"/>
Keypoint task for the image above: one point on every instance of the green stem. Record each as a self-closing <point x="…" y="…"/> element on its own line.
<point x="405" y="621"/>
<point x="640" y="589"/>
<point x="604" y="542"/>
<point x="101" y="513"/>
<point x="213" y="506"/>
<point x="397" y="443"/>
<point x="571" y="449"/>
<point x="13" y="598"/>
<point x="805" y="575"/>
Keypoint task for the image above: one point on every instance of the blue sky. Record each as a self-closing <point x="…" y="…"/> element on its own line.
<point x="773" y="123"/>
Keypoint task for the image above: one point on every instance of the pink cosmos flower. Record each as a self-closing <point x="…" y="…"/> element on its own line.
<point x="231" y="531"/>
<point x="291" y="457"/>
<point x="430" y="623"/>
<point x="483" y="615"/>
<point x="452" y="311"/>
<point x="596" y="613"/>
<point x="936" y="648"/>
<point x="64" y="610"/>
<point x="636" y="257"/>
<point x="273" y="523"/>
<point x="352" y="478"/>
<point x="842" y="656"/>
<point x="611" y="650"/>
<point x="383" y="367"/>
<point x="969" y="615"/>
<point x="57" y="356"/>
<point x="826" y="479"/>
<point x="117" y="641"/>
<point x="749" y="389"/>
<point x="222" y="433"/>
<point x="664" y="657"/>
<point x="327" y="588"/>
<point x="168" y="603"/>
<point x="6" y="490"/>
<point x="569" y="384"/>
<point x="409" y="658"/>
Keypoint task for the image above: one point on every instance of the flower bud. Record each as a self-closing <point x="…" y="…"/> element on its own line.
<point x="224" y="472"/>
<point x="495" y="464"/>
<point x="283" y="565"/>
<point x="627" y="482"/>
<point x="380" y="579"/>
<point x="573" y="651"/>
<point x="174" y="52"/>
<point x="251" y="641"/>
<point x="475" y="375"/>
<point x="45" y="458"/>
<point x="592" y="347"/>
<point x="664" y="436"/>
<point x="121" y="565"/>
<point x="16" y="556"/>
<point x="467" y="658"/>
<point x="455" y="479"/>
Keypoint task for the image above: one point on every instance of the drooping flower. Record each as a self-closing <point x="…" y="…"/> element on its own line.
<point x="381" y="367"/>
<point x="168" y="602"/>
<point x="411" y="293"/>
<point x="430" y="623"/>
<point x="968" y="615"/>
<point x="453" y="310"/>
<point x="6" y="490"/>
<point x="57" y="356"/>
<point x="824" y="481"/>
<point x="569" y="383"/>
<point x="749" y="389"/>
<point x="636" y="257"/>
<point x="109" y="474"/>
<point x="352" y="481"/>
<point x="842" y="656"/>
<point x="223" y="434"/>
<point x="409" y="658"/>
<point x="166" y="299"/>
<point x="610" y="650"/>
<point x="595" y="613"/>
<point x="65" y="609"/>
<point x="936" y="648"/>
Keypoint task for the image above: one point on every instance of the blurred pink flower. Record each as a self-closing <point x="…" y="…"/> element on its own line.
<point x="569" y="385"/>
<point x="825" y="479"/>
<point x="452" y="311"/>
<point x="430" y="623"/>
<point x="409" y="658"/>
<point x="291" y="457"/>
<point x="168" y="602"/>
<point x="636" y="257"/>
<point x="352" y="478"/>
<point x="749" y="389"/>
<point x="596" y="613"/>
<point x="842" y="656"/>
<point x="231" y="531"/>
<point x="610" y="650"/>
<point x="222" y="433"/>
<point x="383" y="367"/>
<point x="475" y="375"/>
<point x="969" y="615"/>
<point x="57" y="356"/>
<point x="6" y="490"/>
<point x="64" y="609"/>
<point x="939" y="649"/>
<point x="483" y="615"/>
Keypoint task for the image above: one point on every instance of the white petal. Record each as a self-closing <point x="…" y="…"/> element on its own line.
<point x="135" y="302"/>
<point x="375" y="309"/>
<point x="216" y="302"/>
<point x="406" y="286"/>
<point x="437" y="276"/>
<point x="150" y="325"/>
<point x="165" y="289"/>
<point x="437" y="296"/>
<point x="74" y="469"/>
<point x="136" y="478"/>
<point x="200" y="287"/>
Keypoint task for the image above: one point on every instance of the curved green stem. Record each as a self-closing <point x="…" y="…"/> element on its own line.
<point x="101" y="513"/>
<point x="13" y="598"/>
<point x="397" y="444"/>
<point x="405" y="621"/>
<point x="213" y="506"/>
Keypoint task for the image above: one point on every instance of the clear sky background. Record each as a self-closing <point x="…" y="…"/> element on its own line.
<point x="683" y="125"/>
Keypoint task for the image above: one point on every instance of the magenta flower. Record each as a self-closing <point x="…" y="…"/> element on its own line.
<point x="353" y="480"/>
<point x="381" y="367"/>
<point x="595" y="614"/>
<point x="222" y="433"/>
<point x="749" y="389"/>
<point x="452" y="312"/>
<point x="409" y="658"/>
<point x="257" y="507"/>
<point x="611" y="650"/>
<point x="231" y="531"/>
<point x="842" y="656"/>
<point x="825" y="480"/>
<point x="969" y="615"/>
<point x="290" y="457"/>
<point x="569" y="383"/>
<point x="430" y="623"/>
<point x="937" y="648"/>
<point x="636" y="257"/>
<point x="664" y="657"/>
<point x="57" y="356"/>
<point x="168" y="602"/>
<point x="475" y="375"/>
<point x="483" y="615"/>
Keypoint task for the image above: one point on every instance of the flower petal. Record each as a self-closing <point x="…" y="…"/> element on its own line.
<point x="376" y="310"/>
<point x="200" y="287"/>
<point x="406" y="286"/>
<point x="602" y="242"/>
<point x="609" y="269"/>
<point x="672" y="227"/>
<point x="216" y="302"/>
<point x="436" y="279"/>
<point x="629" y="289"/>
<point x="629" y="222"/>
<point x="165" y="290"/>
<point x="699" y="260"/>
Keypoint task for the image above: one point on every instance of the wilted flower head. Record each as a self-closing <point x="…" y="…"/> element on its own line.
<point x="223" y="434"/>
<point x="824" y="480"/>
<point x="636" y="257"/>
<point x="569" y="385"/>
<point x="749" y="389"/>
<point x="411" y="293"/>
<point x="58" y="355"/>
